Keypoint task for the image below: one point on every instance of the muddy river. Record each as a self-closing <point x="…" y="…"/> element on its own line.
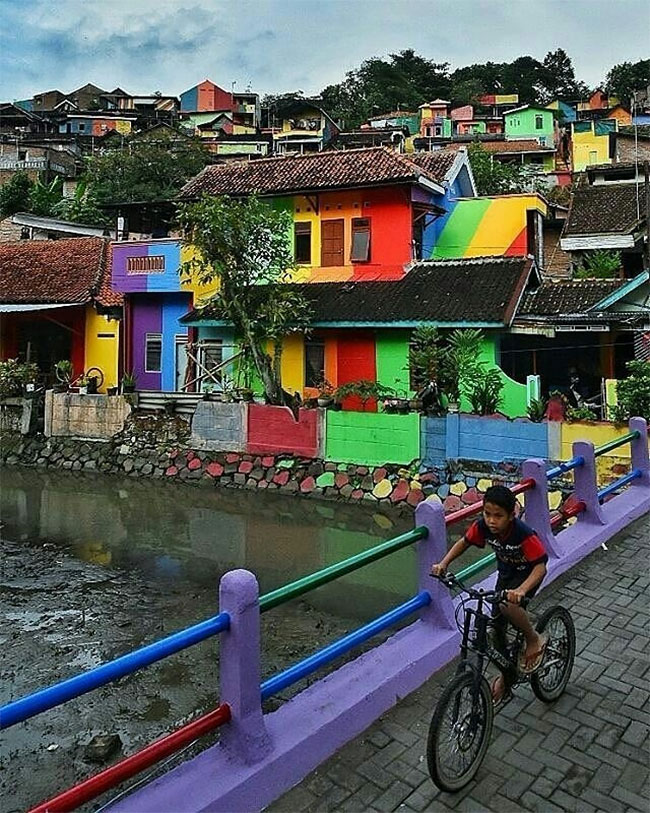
<point x="92" y="567"/>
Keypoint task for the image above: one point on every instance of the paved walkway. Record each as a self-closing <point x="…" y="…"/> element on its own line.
<point x="588" y="751"/>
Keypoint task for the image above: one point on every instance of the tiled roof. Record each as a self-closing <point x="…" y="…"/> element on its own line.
<point x="437" y="163"/>
<point x="57" y="271"/>
<point x="567" y="296"/>
<point x="312" y="172"/>
<point x="604" y="209"/>
<point x="479" y="290"/>
<point x="501" y="146"/>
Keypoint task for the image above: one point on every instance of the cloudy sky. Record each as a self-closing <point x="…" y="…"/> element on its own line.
<point x="287" y="45"/>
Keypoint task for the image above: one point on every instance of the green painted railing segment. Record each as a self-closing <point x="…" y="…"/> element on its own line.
<point x="476" y="567"/>
<point x="614" y="444"/>
<point x="328" y="574"/>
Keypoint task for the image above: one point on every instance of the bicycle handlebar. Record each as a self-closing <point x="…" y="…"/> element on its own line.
<point x="492" y="596"/>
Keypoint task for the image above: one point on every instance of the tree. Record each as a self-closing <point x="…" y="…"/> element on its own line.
<point x="82" y="208"/>
<point x="492" y="177"/>
<point x="627" y="77"/>
<point x="15" y="194"/>
<point x="145" y="170"/>
<point x="44" y="197"/>
<point x="559" y="77"/>
<point x="600" y="264"/>
<point x="245" y="244"/>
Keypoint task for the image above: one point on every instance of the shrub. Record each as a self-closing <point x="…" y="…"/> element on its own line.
<point x="14" y="376"/>
<point x="633" y="393"/>
<point x="536" y="410"/>
<point x="484" y="392"/>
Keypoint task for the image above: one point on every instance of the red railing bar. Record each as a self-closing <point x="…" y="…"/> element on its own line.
<point x="475" y="507"/>
<point x="101" y="782"/>
<point x="573" y="511"/>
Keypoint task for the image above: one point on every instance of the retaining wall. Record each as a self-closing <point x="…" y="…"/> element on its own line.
<point x="219" y="426"/>
<point x="372" y="438"/>
<point x="84" y="416"/>
<point x="274" y="429"/>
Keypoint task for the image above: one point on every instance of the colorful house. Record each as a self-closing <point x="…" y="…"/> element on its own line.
<point x="529" y="121"/>
<point x="435" y="121"/>
<point x="304" y="127"/>
<point x="564" y="111"/>
<point x="57" y="304"/>
<point x="147" y="274"/>
<point x="590" y="142"/>
<point x="206" y="99"/>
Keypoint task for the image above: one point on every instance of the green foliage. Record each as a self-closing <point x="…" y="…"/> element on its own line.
<point x="244" y="244"/>
<point x="15" y="194"/>
<point x="45" y="197"/>
<point x="460" y="365"/>
<point x="82" y="208"/>
<point x="145" y="171"/>
<point x="600" y="264"/>
<point x="576" y="414"/>
<point x="425" y="357"/>
<point x="559" y="77"/>
<point x="14" y="375"/>
<point x="626" y="78"/>
<point x="63" y="371"/>
<point x="492" y="177"/>
<point x="633" y="393"/>
<point x="484" y="390"/>
<point x="536" y="410"/>
<point x="365" y="389"/>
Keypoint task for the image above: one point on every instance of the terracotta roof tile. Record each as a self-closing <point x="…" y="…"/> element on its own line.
<point x="313" y="172"/>
<point x="604" y="209"/>
<point x="58" y="271"/>
<point x="500" y="147"/>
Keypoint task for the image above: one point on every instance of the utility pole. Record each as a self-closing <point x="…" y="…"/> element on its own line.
<point x="646" y="174"/>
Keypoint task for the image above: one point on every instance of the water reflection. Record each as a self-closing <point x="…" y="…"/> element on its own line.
<point x="193" y="535"/>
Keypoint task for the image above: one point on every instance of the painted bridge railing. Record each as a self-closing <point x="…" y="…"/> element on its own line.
<point x="250" y="738"/>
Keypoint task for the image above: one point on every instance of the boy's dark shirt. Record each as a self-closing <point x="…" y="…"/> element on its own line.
<point x="517" y="553"/>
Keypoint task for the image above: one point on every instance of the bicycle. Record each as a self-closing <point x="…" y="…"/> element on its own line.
<point x="461" y="725"/>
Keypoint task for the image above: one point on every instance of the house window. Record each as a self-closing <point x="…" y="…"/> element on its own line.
<point x="302" y="241"/>
<point x="539" y="122"/>
<point x="22" y="155"/>
<point x="82" y="127"/>
<point x="314" y="362"/>
<point x="360" y="252"/>
<point x="210" y="359"/>
<point x="153" y="352"/>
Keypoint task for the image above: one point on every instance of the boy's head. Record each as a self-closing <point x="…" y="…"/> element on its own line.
<point x="498" y="508"/>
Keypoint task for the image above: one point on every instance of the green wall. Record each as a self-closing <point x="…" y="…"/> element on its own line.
<point x="392" y="358"/>
<point x="372" y="438"/>
<point x="459" y="230"/>
<point x="521" y="124"/>
<point x="513" y="393"/>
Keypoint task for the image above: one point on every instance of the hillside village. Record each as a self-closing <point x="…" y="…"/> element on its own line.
<point x="527" y="222"/>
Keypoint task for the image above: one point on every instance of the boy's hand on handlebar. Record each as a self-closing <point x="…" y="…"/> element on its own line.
<point x="438" y="569"/>
<point x="515" y="596"/>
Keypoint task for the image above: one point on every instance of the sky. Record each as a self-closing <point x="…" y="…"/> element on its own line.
<point x="277" y="46"/>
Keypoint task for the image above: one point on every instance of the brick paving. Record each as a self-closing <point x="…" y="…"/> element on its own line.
<point x="588" y="751"/>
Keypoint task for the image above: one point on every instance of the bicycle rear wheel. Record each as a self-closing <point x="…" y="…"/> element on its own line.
<point x="550" y="680"/>
<point x="459" y="733"/>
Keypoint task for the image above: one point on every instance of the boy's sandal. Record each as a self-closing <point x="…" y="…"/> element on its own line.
<point x="505" y="694"/>
<point x="528" y="665"/>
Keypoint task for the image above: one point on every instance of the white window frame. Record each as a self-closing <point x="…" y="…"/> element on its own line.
<point x="152" y="337"/>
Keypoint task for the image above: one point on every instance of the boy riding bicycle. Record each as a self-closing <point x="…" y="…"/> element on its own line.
<point x="521" y="560"/>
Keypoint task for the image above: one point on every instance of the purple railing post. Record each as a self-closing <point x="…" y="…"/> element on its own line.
<point x="639" y="452"/>
<point x="245" y="737"/>
<point x="440" y="612"/>
<point x="536" y="507"/>
<point x="585" y="478"/>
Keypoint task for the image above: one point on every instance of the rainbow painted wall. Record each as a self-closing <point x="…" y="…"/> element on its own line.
<point x="476" y="227"/>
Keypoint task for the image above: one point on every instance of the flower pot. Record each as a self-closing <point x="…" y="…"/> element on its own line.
<point x="247" y="395"/>
<point x="324" y="401"/>
<point x="92" y="385"/>
<point x="83" y="390"/>
<point x="453" y="406"/>
<point x="128" y="387"/>
<point x="111" y="390"/>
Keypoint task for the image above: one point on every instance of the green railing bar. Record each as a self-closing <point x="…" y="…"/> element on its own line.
<point x="476" y="567"/>
<point x="614" y="444"/>
<point x="328" y="574"/>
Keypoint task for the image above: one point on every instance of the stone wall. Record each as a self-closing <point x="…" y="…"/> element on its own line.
<point x="11" y="415"/>
<point x="219" y="426"/>
<point x="84" y="416"/>
<point x="160" y="447"/>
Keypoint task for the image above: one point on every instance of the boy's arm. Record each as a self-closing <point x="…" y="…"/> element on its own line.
<point x="536" y="575"/>
<point x="456" y="550"/>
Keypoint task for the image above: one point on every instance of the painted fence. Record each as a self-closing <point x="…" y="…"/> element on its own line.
<point x="372" y="438"/>
<point x="273" y="429"/>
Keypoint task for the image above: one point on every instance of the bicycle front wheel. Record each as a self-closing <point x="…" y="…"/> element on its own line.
<point x="459" y="733"/>
<point x="550" y="680"/>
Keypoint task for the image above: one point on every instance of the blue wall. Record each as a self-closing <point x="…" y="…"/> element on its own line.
<point x="433" y="444"/>
<point x="475" y="438"/>
<point x="174" y="306"/>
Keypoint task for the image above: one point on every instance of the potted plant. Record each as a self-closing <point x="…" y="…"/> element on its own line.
<point x="82" y="384"/>
<point x="128" y="382"/>
<point x="366" y="390"/>
<point x="63" y="373"/>
<point x="460" y="365"/>
<point x="325" y="393"/>
<point x="93" y="384"/>
<point x="112" y="390"/>
<point x="247" y="394"/>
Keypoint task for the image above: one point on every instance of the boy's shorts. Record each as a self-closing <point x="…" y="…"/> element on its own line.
<point x="512" y="582"/>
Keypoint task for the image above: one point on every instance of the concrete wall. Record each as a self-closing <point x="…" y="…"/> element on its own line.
<point x="372" y="438"/>
<point x="492" y="439"/>
<point x="433" y="441"/>
<point x="219" y="426"/>
<point x="273" y="429"/>
<point x="84" y="416"/>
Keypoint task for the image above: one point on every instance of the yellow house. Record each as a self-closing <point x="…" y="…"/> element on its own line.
<point x="590" y="143"/>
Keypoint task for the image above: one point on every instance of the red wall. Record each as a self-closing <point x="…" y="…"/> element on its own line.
<point x="355" y="361"/>
<point x="272" y="429"/>
<point x="212" y="97"/>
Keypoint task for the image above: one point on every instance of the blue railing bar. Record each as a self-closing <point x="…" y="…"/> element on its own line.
<point x="335" y="650"/>
<point x="622" y="481"/>
<point x="566" y="466"/>
<point x="45" y="699"/>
